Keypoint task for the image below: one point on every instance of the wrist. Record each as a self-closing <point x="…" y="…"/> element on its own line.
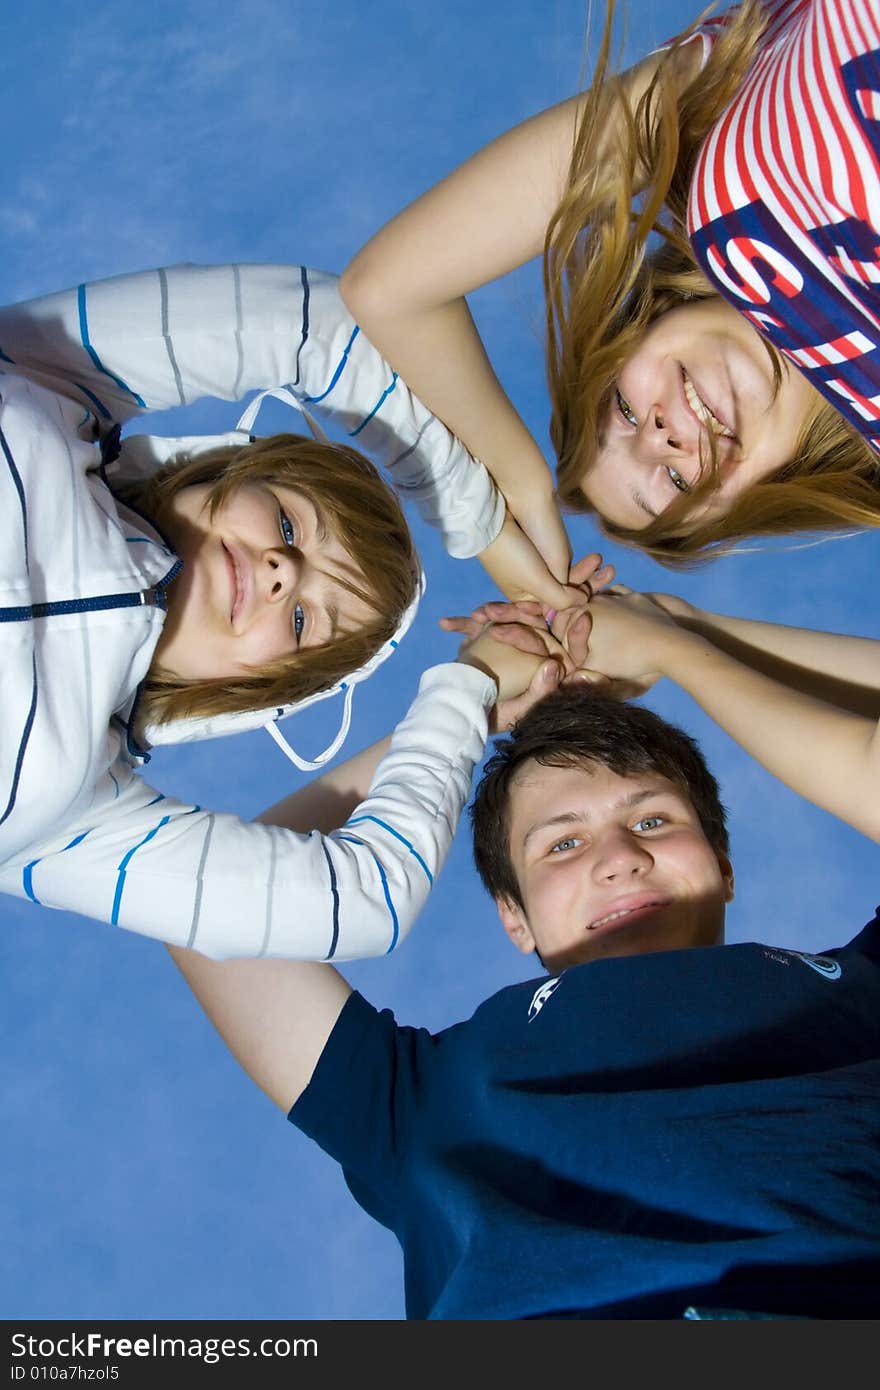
<point x="469" y="659"/>
<point x="465" y="678"/>
<point x="681" y="654"/>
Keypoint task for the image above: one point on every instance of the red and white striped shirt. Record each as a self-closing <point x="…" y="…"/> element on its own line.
<point x="784" y="208"/>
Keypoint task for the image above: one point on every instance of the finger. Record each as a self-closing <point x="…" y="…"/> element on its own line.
<point x="507" y="610"/>
<point x="577" y="595"/>
<point x="510" y="614"/>
<point x="525" y="639"/>
<point x="469" y="626"/>
<point x="583" y="676"/>
<point x="577" y="637"/>
<point x="585" y="568"/>
<point x="545" y="679"/>
<point x="622" y="589"/>
<point x="560" y="624"/>
<point x="602" y="578"/>
<point x="559" y="651"/>
<point x="591" y="573"/>
<point x="560" y="596"/>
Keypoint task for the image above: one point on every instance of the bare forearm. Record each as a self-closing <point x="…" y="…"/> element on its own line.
<point x="828" y="755"/>
<point x="275" y="1016"/>
<point x="327" y="801"/>
<point x="407" y="285"/>
<point x="839" y="669"/>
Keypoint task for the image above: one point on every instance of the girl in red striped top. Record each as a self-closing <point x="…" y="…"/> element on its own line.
<point x="712" y="270"/>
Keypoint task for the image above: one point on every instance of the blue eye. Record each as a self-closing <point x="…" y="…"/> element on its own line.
<point x="562" y="845"/>
<point x="288" y="534"/>
<point x="299" y="620"/>
<point x="648" y="823"/>
<point x="625" y="409"/>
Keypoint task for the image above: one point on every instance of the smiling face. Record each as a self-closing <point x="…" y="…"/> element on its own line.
<point x="260" y="581"/>
<point x="609" y="866"/>
<point x="701" y="370"/>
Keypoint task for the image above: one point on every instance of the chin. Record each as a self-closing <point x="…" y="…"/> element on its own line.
<point x="625" y="942"/>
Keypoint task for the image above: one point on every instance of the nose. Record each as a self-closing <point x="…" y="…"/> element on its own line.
<point x="620" y="856"/>
<point x="659" y="434"/>
<point x="279" y="574"/>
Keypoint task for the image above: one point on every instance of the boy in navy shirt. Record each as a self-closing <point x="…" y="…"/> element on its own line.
<point x="659" y="1129"/>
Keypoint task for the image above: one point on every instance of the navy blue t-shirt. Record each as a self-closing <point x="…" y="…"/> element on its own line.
<point x="626" y="1139"/>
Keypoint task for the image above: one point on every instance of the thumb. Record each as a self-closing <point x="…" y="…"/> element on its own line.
<point x="585" y="677"/>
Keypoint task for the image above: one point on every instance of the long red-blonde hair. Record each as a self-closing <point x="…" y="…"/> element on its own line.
<point x="603" y="289"/>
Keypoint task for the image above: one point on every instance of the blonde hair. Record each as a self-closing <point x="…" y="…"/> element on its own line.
<point x="364" y="514"/>
<point x="603" y="290"/>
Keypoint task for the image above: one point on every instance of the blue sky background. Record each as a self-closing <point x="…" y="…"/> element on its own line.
<point x="143" y="1175"/>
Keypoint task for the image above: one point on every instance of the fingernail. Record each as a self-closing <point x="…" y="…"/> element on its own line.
<point x="550" y="673"/>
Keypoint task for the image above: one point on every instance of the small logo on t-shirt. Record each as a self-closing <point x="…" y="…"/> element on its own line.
<point x="540" y="997"/>
<point x="823" y="965"/>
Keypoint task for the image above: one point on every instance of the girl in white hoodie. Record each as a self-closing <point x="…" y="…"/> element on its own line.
<point x="162" y="590"/>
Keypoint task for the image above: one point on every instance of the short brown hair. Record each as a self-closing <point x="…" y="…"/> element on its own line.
<point x="363" y="512"/>
<point x="580" y="728"/>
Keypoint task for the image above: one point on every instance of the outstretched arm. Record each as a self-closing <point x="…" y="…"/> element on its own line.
<point x="276" y="1015"/>
<point x="162" y="338"/>
<point x="824" y="751"/>
<point x="407" y="287"/>
<point x="841" y="670"/>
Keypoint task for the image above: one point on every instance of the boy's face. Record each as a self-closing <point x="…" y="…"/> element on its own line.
<point x="609" y="866"/>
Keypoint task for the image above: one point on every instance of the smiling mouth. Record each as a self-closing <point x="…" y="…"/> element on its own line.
<point x="621" y="915"/>
<point x="703" y="412"/>
<point x="235" y="583"/>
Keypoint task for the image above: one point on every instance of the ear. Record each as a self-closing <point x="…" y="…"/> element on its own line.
<point x="726" y="868"/>
<point x="515" y="923"/>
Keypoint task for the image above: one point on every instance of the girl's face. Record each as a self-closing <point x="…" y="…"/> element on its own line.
<point x="260" y="580"/>
<point x="700" y="369"/>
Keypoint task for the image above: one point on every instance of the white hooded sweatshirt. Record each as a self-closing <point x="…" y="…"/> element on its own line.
<point x="81" y="610"/>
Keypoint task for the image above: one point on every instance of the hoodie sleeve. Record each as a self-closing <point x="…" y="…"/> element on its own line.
<point x="162" y="338"/>
<point x="228" y="887"/>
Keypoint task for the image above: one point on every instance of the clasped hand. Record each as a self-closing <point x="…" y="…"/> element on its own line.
<point x="616" y="640"/>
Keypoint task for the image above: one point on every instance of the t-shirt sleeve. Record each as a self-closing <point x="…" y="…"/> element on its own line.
<point x="867" y="941"/>
<point x="361" y="1102"/>
<point x="706" y="33"/>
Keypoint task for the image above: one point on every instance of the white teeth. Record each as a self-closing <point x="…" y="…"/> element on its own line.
<point x="702" y="411"/>
<point x="612" y="917"/>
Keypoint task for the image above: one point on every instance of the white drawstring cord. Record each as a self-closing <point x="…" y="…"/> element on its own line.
<point x="281" y="393"/>
<point x="304" y="764"/>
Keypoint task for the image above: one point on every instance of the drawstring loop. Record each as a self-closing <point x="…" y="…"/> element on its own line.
<point x="285" y="394"/>
<point x="305" y="764"/>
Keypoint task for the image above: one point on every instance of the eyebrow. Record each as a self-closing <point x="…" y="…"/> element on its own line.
<point x="640" y="502"/>
<point x="321" y="532"/>
<point x="626" y="803"/>
<point x="321" y="521"/>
